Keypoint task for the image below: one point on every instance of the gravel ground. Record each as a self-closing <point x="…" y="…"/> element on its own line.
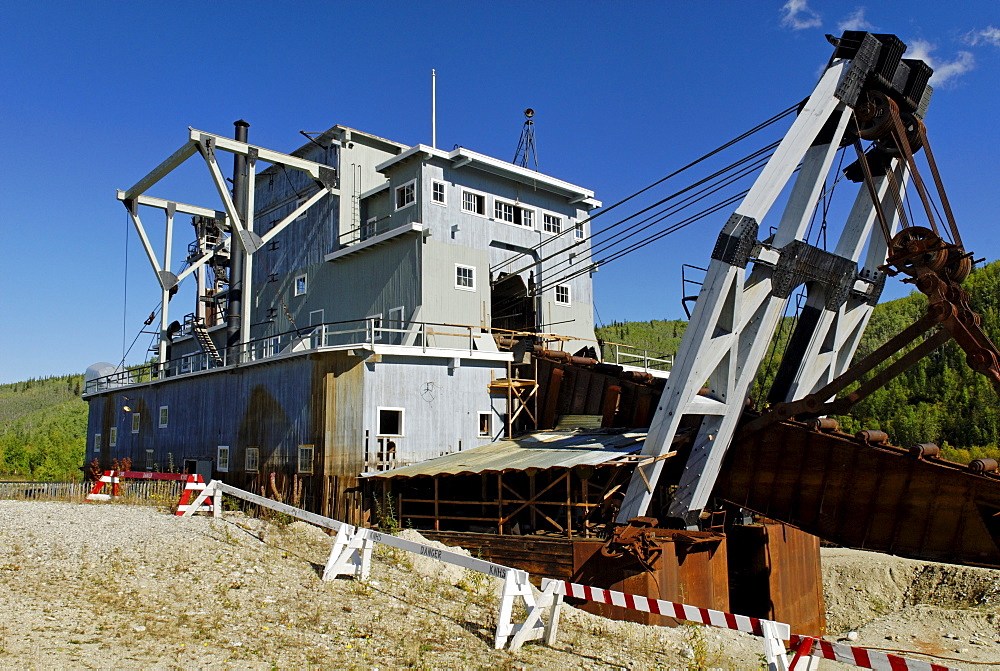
<point x="891" y="602"/>
<point x="97" y="586"/>
<point x="114" y="585"/>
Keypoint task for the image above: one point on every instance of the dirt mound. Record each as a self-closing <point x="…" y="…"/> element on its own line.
<point x="892" y="602"/>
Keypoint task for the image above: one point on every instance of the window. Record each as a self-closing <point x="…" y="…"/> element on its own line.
<point x="503" y="211"/>
<point x="305" y="459"/>
<point x="579" y="232"/>
<point x="395" y="322"/>
<point x="316" y="317"/>
<point x="97" y="443"/>
<point x="164" y="416"/>
<point x="437" y="193"/>
<point x="222" y="459"/>
<point x="552" y="223"/>
<point x="252" y="461"/>
<point x="299" y="202"/>
<point x="375" y="324"/>
<point x="390" y="421"/>
<point x="272" y="346"/>
<point x="485" y="424"/>
<point x="396" y="317"/>
<point x="474" y="203"/>
<point x="113" y="437"/>
<point x="406" y="195"/>
<point x="150" y="460"/>
<point x="512" y="214"/>
<point x="465" y="277"/>
<point x="136" y="420"/>
<point x="562" y="294"/>
<point x="301" y="285"/>
<point x="368" y="230"/>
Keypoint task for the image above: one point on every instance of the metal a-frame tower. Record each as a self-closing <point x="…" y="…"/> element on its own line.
<point x="867" y="92"/>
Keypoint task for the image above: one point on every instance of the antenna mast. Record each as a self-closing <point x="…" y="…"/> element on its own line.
<point x="526" y="150"/>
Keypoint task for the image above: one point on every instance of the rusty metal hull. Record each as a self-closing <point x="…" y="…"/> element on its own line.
<point x="775" y="574"/>
<point x="865" y="496"/>
<point x="693" y="574"/>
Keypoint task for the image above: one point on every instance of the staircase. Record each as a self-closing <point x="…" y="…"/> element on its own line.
<point x="205" y="341"/>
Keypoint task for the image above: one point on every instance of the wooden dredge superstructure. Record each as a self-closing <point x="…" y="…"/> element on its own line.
<point x="376" y="322"/>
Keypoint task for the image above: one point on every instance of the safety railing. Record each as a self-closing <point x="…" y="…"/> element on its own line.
<point x="369" y="230"/>
<point x="427" y="336"/>
<point x="626" y="355"/>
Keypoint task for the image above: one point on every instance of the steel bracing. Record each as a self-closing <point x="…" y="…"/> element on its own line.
<point x="240" y="226"/>
<point x="744" y="296"/>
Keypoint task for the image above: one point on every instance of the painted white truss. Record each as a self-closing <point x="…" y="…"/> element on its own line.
<point x="241" y="229"/>
<point x="739" y="308"/>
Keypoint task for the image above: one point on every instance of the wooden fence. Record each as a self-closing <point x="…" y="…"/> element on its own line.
<point x="135" y="492"/>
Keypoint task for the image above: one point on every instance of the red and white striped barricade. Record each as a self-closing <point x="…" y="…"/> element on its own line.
<point x="107" y="478"/>
<point x="806" y="649"/>
<point x="860" y="657"/>
<point x="115" y="478"/>
<point x="774" y="633"/>
<point x="205" y="500"/>
<point x="715" y="618"/>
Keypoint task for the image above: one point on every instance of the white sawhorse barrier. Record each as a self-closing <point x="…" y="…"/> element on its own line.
<point x="351" y="555"/>
<point x="352" y="550"/>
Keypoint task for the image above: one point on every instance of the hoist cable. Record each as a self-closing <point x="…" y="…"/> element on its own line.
<point x="739" y="138"/>
<point x="663" y="214"/>
<point x="642" y="243"/>
<point x="658" y="203"/>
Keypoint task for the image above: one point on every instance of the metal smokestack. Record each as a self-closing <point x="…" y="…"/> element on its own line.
<point x="236" y="253"/>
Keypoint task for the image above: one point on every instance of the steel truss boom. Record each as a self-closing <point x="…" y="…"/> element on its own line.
<point x="748" y="284"/>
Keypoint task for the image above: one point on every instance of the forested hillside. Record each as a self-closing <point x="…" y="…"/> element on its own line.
<point x="655" y="335"/>
<point x="939" y="400"/>
<point x="43" y="426"/>
<point x="43" y="422"/>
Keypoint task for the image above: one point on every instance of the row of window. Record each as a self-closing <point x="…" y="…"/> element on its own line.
<point x="136" y="424"/>
<point x="474" y="202"/>
<point x="465" y="279"/>
<point x="251" y="459"/>
<point x="390" y="424"/>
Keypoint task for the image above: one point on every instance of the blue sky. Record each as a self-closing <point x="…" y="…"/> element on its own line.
<point x="93" y="95"/>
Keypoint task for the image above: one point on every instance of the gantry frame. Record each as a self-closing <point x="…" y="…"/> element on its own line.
<point x="239" y="226"/>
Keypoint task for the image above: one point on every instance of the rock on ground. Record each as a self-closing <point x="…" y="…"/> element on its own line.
<point x="905" y="604"/>
<point x="115" y="585"/>
<point x="112" y="585"/>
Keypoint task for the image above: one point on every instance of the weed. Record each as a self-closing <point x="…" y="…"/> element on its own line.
<point x="360" y="587"/>
<point x="695" y="637"/>
<point x="386" y="516"/>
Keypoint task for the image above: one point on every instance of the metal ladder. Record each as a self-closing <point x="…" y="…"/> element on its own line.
<point x="205" y="341"/>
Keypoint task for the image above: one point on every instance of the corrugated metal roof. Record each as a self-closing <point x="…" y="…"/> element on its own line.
<point x="544" y="449"/>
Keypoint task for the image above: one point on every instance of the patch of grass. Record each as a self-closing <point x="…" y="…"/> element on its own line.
<point x="695" y="636"/>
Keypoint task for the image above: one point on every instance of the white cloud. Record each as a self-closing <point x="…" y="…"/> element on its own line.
<point x="797" y="15"/>
<point x="855" y="21"/>
<point x="988" y="35"/>
<point x="944" y="71"/>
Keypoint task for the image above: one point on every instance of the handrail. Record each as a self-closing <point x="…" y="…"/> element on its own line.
<point x="369" y="331"/>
